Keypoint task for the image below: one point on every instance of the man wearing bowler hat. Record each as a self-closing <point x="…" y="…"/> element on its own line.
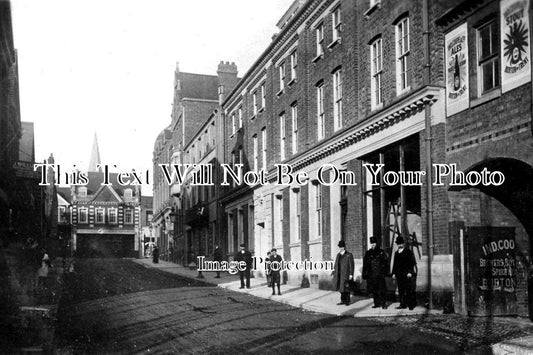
<point x="404" y="270"/>
<point x="375" y="267"/>
<point x="343" y="273"/>
<point x="246" y="256"/>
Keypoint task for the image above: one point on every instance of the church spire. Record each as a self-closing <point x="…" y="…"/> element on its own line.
<point x="95" y="156"/>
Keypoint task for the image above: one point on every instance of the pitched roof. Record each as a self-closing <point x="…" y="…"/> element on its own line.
<point x="198" y="86"/>
<point x="96" y="179"/>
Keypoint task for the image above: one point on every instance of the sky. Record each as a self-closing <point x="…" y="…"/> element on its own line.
<point x="107" y="67"/>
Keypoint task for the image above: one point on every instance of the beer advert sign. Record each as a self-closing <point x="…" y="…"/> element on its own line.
<point x="515" y="43"/>
<point x="456" y="62"/>
<point x="492" y="270"/>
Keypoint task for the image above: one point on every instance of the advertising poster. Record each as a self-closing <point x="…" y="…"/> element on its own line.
<point x="456" y="62"/>
<point x="515" y="39"/>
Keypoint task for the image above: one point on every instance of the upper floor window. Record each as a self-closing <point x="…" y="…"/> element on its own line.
<point x="233" y="124"/>
<point x="318" y="210"/>
<point x="255" y="103"/>
<point x="256" y="152"/>
<point x="320" y="110"/>
<point x="239" y="113"/>
<point x="128" y="195"/>
<point x="376" y="66"/>
<point x="264" y="147"/>
<point x="282" y="136"/>
<point x="336" y="23"/>
<point x="263" y="96"/>
<point x="319" y="33"/>
<point x="488" y="56"/>
<point x="99" y="215"/>
<point x="281" y="71"/>
<point x="82" y="192"/>
<point x="294" y="119"/>
<point x="128" y="216"/>
<point x="62" y="214"/>
<point x="112" y="215"/>
<point x="82" y="215"/>
<point x="403" y="65"/>
<point x="294" y="64"/>
<point x="337" y="99"/>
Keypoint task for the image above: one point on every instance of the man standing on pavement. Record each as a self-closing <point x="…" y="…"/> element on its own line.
<point x="246" y="256"/>
<point x="217" y="256"/>
<point x="343" y="273"/>
<point x="404" y="270"/>
<point x="275" y="265"/>
<point x="375" y="265"/>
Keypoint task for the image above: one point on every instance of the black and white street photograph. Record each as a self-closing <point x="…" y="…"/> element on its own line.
<point x="266" y="176"/>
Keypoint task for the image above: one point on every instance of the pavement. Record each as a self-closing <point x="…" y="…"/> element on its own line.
<point x="324" y="301"/>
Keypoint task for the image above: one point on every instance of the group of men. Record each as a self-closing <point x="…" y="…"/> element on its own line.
<point x="375" y="269"/>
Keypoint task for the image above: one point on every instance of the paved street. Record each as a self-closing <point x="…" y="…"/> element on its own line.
<point x="119" y="306"/>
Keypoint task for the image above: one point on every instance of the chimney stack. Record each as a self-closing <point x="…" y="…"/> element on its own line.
<point x="227" y="77"/>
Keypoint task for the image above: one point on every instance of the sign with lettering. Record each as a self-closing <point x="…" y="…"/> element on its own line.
<point x="492" y="271"/>
<point x="515" y="43"/>
<point x="457" y="96"/>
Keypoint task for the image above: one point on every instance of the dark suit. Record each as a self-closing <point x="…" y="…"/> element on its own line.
<point x="344" y="268"/>
<point x="246" y="256"/>
<point x="375" y="267"/>
<point x="405" y="263"/>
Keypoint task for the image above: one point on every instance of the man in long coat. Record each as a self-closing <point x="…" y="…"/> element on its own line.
<point x="343" y="274"/>
<point x="404" y="270"/>
<point x="375" y="268"/>
<point x="246" y="256"/>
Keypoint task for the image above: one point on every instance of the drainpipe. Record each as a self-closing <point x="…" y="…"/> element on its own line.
<point x="429" y="138"/>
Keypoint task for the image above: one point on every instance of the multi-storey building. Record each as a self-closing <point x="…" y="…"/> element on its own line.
<point x="190" y="137"/>
<point x="342" y="84"/>
<point x="488" y="126"/>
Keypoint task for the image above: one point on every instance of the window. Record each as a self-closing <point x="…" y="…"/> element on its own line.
<point x="318" y="211"/>
<point x="61" y="214"/>
<point x="82" y="192"/>
<point x="319" y="33"/>
<point x="281" y="71"/>
<point x="403" y="69"/>
<point x="256" y="152"/>
<point x="282" y="136"/>
<point x="294" y="64"/>
<point x="82" y="215"/>
<point x="298" y="215"/>
<point x="112" y="215"/>
<point x="100" y="215"/>
<point x="263" y="96"/>
<point x="376" y="58"/>
<point x="336" y="23"/>
<point x="320" y="110"/>
<point x="488" y="57"/>
<point x="128" y="216"/>
<point x="264" y="147"/>
<point x="254" y="103"/>
<point x="337" y="99"/>
<point x="294" y="119"/>
<point x="239" y="111"/>
<point x="233" y="123"/>
<point x="241" y="158"/>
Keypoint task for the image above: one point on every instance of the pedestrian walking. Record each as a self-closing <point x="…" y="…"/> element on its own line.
<point x="268" y="270"/>
<point x="343" y="273"/>
<point x="246" y="256"/>
<point x="375" y="268"/>
<point x="42" y="272"/>
<point x="404" y="269"/>
<point x="155" y="255"/>
<point x="217" y="256"/>
<point x="275" y="266"/>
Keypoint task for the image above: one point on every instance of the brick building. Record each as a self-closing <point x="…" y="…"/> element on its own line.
<point x="488" y="126"/>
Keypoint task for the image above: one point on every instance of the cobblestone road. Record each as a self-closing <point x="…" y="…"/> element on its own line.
<point x="120" y="307"/>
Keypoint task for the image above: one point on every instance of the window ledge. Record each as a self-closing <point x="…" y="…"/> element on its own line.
<point x="293" y="81"/>
<point x="295" y="245"/>
<point x="260" y="110"/>
<point x="334" y="43"/>
<point x="315" y="241"/>
<point x="489" y="96"/>
<point x="368" y="12"/>
<point x="279" y="92"/>
<point x="252" y="118"/>
<point x="317" y="58"/>
<point x="377" y="107"/>
<point x="403" y="91"/>
<point x="232" y="135"/>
